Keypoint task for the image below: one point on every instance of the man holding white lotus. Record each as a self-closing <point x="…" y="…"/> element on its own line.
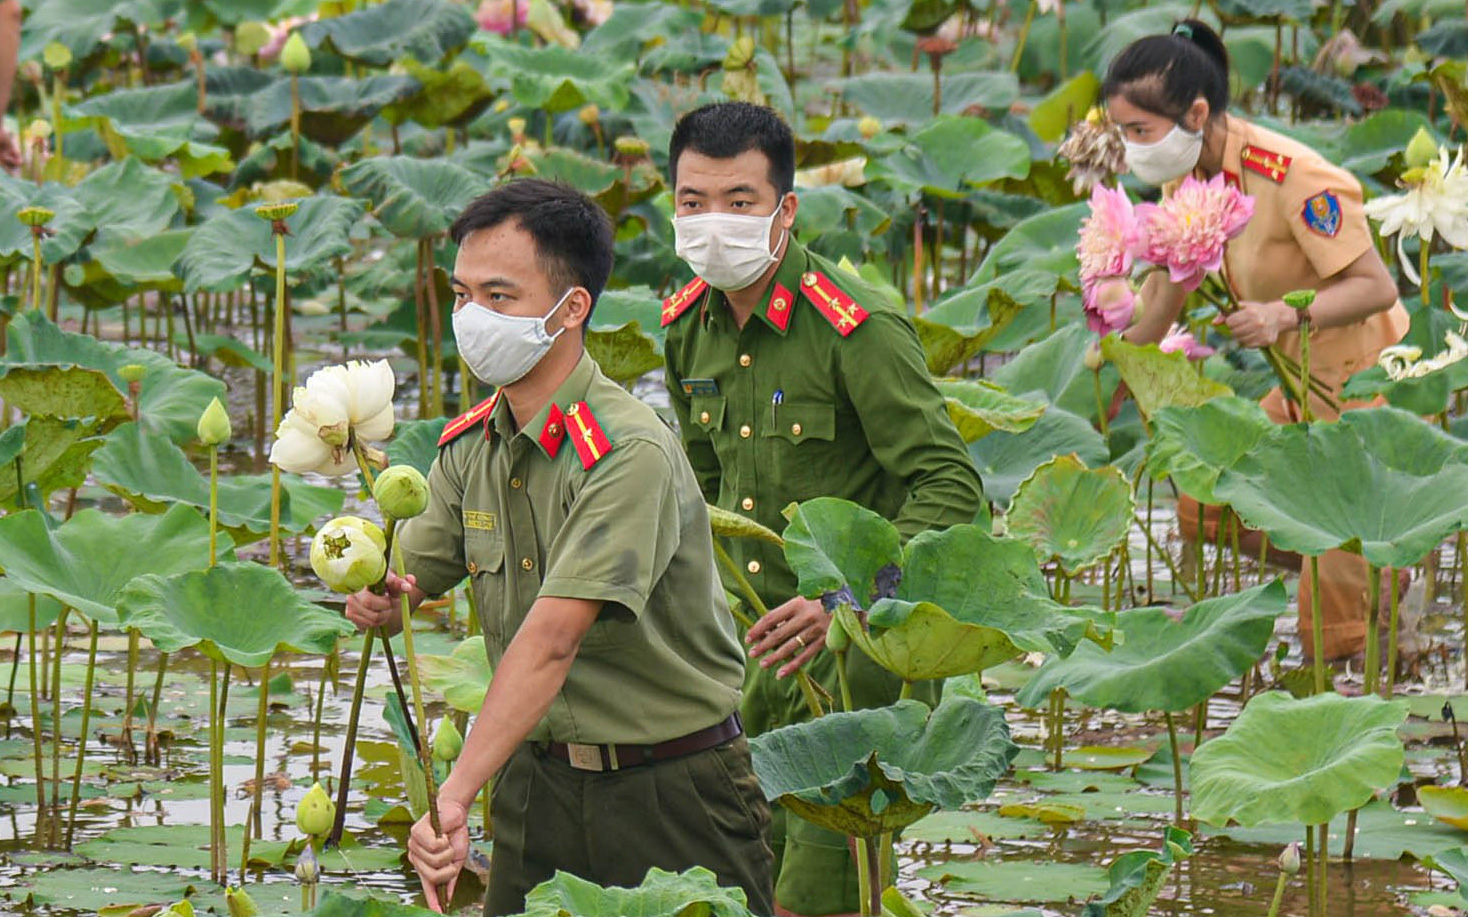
<point x="612" y="717"/>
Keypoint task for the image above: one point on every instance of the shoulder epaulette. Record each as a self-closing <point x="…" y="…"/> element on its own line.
<point x="678" y="303"/>
<point x="839" y="309"/>
<point x="587" y="437"/>
<point x="1273" y="166"/>
<point x="477" y="414"/>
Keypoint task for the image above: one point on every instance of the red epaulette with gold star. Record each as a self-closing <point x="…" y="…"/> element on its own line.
<point x="477" y="414"/>
<point x="587" y="437"/>
<point x="678" y="303"/>
<point x="778" y="311"/>
<point x="1271" y="165"/>
<point x="839" y="309"/>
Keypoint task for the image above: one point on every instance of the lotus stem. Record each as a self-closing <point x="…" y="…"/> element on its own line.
<point x="1305" y="367"/>
<point x="214" y="753"/>
<point x="1263" y="555"/>
<point x="1424" y="253"/>
<point x="36" y="268"/>
<point x="262" y="712"/>
<point x="127" y="715"/>
<point x="1200" y="722"/>
<point x="214" y="504"/>
<point x="277" y="381"/>
<point x="344" y="783"/>
<point x="1147" y="529"/>
<point x="1177" y="769"/>
<point x="1152" y="544"/>
<point x="420" y="303"/>
<point x="845" y="684"/>
<point x="56" y="710"/>
<point x="1310" y="869"/>
<point x="1279" y="889"/>
<point x="81" y="750"/>
<point x="1100" y="404"/>
<point x="1317" y="626"/>
<point x="320" y="709"/>
<point x="1350" y="846"/>
<point x="1322" y="836"/>
<point x="35" y="717"/>
<point x="223" y="878"/>
<point x="295" y="127"/>
<point x="150" y="748"/>
<point x="435" y="320"/>
<point x="884" y="865"/>
<point x="10" y="692"/>
<point x="1024" y="37"/>
<point x="1057" y="731"/>
<point x="864" y="875"/>
<point x="1373" y="622"/>
<point x="1233" y="544"/>
<point x="1391" y="650"/>
<point x="906" y="691"/>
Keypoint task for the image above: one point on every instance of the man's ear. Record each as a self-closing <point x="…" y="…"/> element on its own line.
<point x="788" y="205"/>
<point x="577" y="308"/>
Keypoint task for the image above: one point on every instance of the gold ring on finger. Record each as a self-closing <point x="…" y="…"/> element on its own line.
<point x="801" y="640"/>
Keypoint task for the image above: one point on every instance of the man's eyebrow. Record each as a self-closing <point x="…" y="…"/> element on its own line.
<point x="491" y="282"/>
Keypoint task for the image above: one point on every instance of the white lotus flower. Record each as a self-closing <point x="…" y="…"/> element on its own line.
<point x="1434" y="202"/>
<point x="335" y="403"/>
<point x="1405" y="362"/>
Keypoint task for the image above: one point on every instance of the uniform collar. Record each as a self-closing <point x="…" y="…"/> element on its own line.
<point x="1236" y="138"/>
<point x="774" y="310"/>
<point x="547" y="429"/>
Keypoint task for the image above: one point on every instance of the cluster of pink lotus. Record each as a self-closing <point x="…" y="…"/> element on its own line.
<point x="1184" y="234"/>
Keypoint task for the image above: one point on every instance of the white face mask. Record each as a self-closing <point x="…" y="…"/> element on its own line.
<point x="501" y="349"/>
<point x="1174" y="156"/>
<point x="728" y="250"/>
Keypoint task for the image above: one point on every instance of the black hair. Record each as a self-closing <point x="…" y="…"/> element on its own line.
<point x="723" y="130"/>
<point x="572" y="234"/>
<point x="1164" y="74"/>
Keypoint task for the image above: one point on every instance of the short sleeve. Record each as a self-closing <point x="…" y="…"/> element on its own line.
<point x="432" y="544"/>
<point x="621" y="531"/>
<point x="1323" y="208"/>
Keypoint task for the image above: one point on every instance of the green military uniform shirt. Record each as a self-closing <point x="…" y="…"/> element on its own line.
<point x="824" y="392"/>
<point x="523" y="514"/>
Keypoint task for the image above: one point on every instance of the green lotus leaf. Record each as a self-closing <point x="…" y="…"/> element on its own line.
<point x="1121" y="30"/>
<point x="557" y="79"/>
<point x="1005" y="459"/>
<point x="229" y="13"/>
<point x="1447" y="804"/>
<point x="15" y="608"/>
<point x="953" y="154"/>
<point x="1445" y="39"/>
<point x="1291" y="10"/>
<point x="827" y="770"/>
<point x="978" y="408"/>
<point x="450" y="96"/>
<point x="832" y="543"/>
<point x="229" y="351"/>
<point x="1158" y="380"/>
<point x="1319" y="90"/>
<point x="132" y="265"/>
<point x="170" y="399"/>
<point x="129" y="199"/>
<point x="631" y="30"/>
<point x="333" y="108"/>
<point x="155" y="123"/>
<point x="1380" y="482"/>
<point x="624" y="354"/>
<point x="907" y="98"/>
<point x="1192" y="445"/>
<point x="90" y="889"/>
<point x="207" y="609"/>
<point x="12" y="443"/>
<point x="415" y="442"/>
<point x="1455" y="864"/>
<point x="174" y="846"/>
<point x="1055" y="368"/>
<point x="152" y="473"/>
<point x="1074" y="515"/>
<point x="661" y="894"/>
<point x="1044" y="242"/>
<point x="71" y="225"/>
<point x="1137" y="877"/>
<point x="832" y="207"/>
<point x="462" y="677"/>
<point x="425" y="30"/>
<point x="1303" y="761"/>
<point x="1165" y="664"/>
<point x="1018" y="880"/>
<point x="413" y="198"/>
<point x="63" y="391"/>
<point x="221" y="253"/>
<point x="86" y="561"/>
<point x="57" y="454"/>
<point x="336" y="903"/>
<point x="1065" y="105"/>
<point x="639" y="305"/>
<point x="732" y="525"/>
<point x="960" y="326"/>
<point x="83" y="25"/>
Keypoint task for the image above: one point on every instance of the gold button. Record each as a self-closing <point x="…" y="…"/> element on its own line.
<point x="473" y="567"/>
<point x="747" y="503"/>
<point x="745" y="359"/>
<point x="795" y="428"/>
<point x="704" y="417"/>
<point x="527" y="564"/>
<point x="753" y="566"/>
<point x="516" y="483"/>
<point x="745" y="431"/>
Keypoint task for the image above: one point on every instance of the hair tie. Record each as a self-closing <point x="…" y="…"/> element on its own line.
<point x="1182" y="29"/>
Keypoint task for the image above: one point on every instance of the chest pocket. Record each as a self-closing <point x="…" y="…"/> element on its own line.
<point x="798" y="438"/>
<point x="706" y="412"/>
<point x="484" y="560"/>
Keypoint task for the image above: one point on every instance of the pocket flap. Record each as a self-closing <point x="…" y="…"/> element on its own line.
<point x="706" y="412"/>
<point x="798" y="422"/>
<point x="484" y="552"/>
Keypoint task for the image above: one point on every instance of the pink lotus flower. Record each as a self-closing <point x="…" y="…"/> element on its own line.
<point x="1186" y="233"/>
<point x="1180" y="338"/>
<point x="502" y="15"/>
<point x="280" y="31"/>
<point x="1107" y="236"/>
<point x="1109" y="305"/>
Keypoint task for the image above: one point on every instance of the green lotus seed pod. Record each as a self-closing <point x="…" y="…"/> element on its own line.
<point x="189" y="42"/>
<point x="308" y="868"/>
<point x="214" y="425"/>
<point x="349" y="554"/>
<point x="869" y="127"/>
<point x="295" y="57"/>
<point x="631" y="146"/>
<point x="250" y="37"/>
<point x="56" y="55"/>
<point x="315" y="813"/>
<point x="1299" y="299"/>
<point x="837" y="639"/>
<point x="132" y="372"/>
<point x="589" y="115"/>
<point x="1421" y="149"/>
<point x="447" y="742"/>
<point x="401" y="492"/>
<point x="277" y="211"/>
<point x="35" y="216"/>
<point x="240" y="903"/>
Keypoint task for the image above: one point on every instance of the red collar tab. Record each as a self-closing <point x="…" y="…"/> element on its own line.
<point x="554" y="431"/>
<point x="587" y="437"/>
<point x="1271" y="165"/>
<point x="781" y="302"/>
<point x="1232" y="179"/>
<point x="674" y="306"/>
<point x="839" y="309"/>
<point x="480" y="412"/>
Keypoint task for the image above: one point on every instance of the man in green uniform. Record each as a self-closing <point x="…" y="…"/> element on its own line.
<point x="793" y="379"/>
<point x="612" y="717"/>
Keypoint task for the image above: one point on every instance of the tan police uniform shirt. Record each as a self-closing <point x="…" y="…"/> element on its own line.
<point x="520" y="512"/>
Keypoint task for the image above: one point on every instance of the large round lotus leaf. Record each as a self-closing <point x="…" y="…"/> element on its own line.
<point x="83" y="25"/>
<point x="155" y="123"/>
<point x="57" y="453"/>
<point x="86" y="561"/>
<point x="833" y="544"/>
<point x="241" y="612"/>
<point x="907" y="98"/>
<point x="961" y="325"/>
<point x="129" y="199"/>
<point x="335" y="903"/>
<point x="1005" y="459"/>
<point x="1447" y="804"/>
<point x="870" y="771"/>
<point x="62" y="391"/>
<point x="1072" y="514"/>
<point x="951" y="156"/>
<point x="1044" y="242"/>
<point x="15" y="608"/>
<point x="661" y="894"/>
<point x="424" y="30"/>
<point x="978" y="408"/>
<point x="462" y="677"/>
<point x="624" y="354"/>
<point x="1381" y="482"/>
<point x="556" y="78"/>
<point x="71" y="223"/>
<point x="1304" y="761"/>
<point x="1158" y="380"/>
<point x="333" y="108"/>
<point x="415" y="442"/>
<point x="221" y="253"/>
<point x="1163" y="664"/>
<point x="1193" y="445"/>
<point x="413" y="198"/>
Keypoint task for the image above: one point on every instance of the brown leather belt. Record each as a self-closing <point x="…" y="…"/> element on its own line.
<point x="616" y="757"/>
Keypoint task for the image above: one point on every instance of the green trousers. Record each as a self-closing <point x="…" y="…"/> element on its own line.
<point x="704" y="809"/>
<point x="815" y="871"/>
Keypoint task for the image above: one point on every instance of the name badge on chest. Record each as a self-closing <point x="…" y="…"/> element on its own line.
<point x="699" y="386"/>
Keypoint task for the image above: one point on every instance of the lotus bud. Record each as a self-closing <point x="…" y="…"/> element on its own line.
<point x="214" y="425"/>
<point x="1093" y="358"/>
<point x="589" y="115"/>
<point x="295" y="57"/>
<point x="401" y="492"/>
<point x="517" y="129"/>
<point x="1414" y="176"/>
<point x="1421" y="149"/>
<point x="35" y="216"/>
<point x="189" y="42"/>
<point x="1289" y="859"/>
<point x="250" y="37"/>
<point x="447" y="742"/>
<point x="869" y="127"/>
<point x="1299" y="299"/>
<point x="132" y="373"/>
<point x="277" y="211"/>
<point x="315" y="814"/>
<point x="56" y="55"/>
<point x="38" y="129"/>
<point x="31" y="71"/>
<point x="308" y="868"/>
<point x="349" y="554"/>
<point x="240" y="903"/>
<point x="837" y="639"/>
<point x="500" y="106"/>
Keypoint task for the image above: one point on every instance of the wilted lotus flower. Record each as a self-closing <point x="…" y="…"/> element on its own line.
<point x="1434" y="202"/>
<point x="335" y="403"/>
<point x="349" y="553"/>
<point x="1094" y="150"/>
<point x="315" y="812"/>
<point x="1179" y="338"/>
<point x="401" y="492"/>
<point x="1187" y="232"/>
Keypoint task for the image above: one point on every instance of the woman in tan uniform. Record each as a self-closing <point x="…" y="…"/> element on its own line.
<point x="1169" y="96"/>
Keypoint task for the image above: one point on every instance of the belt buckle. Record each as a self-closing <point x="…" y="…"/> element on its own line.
<point x="584" y="757"/>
